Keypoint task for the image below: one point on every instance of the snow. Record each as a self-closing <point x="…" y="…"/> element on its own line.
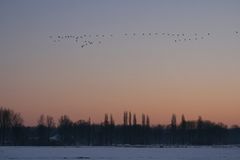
<point x="120" y="153"/>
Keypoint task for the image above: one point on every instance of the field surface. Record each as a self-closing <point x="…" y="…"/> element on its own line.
<point x="119" y="153"/>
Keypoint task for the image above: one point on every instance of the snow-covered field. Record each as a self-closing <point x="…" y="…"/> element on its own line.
<point x="119" y="153"/>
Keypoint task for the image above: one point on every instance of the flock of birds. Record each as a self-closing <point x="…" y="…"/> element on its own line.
<point x="89" y="39"/>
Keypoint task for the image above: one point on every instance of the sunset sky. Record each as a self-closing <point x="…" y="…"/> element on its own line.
<point x="151" y="75"/>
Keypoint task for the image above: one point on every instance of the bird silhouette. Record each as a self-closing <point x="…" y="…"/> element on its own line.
<point x="90" y="42"/>
<point x="87" y="40"/>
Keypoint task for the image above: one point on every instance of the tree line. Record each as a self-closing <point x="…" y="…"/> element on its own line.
<point x="130" y="132"/>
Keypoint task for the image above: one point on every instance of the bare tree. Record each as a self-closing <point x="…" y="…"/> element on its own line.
<point x="42" y="120"/>
<point x="199" y="122"/>
<point x="65" y="129"/>
<point x="5" y="123"/>
<point x="125" y="118"/>
<point x="173" y="128"/>
<point x="17" y="128"/>
<point x="143" y="120"/>
<point x="106" y="122"/>
<point x="42" y="130"/>
<point x="174" y="122"/>
<point x="134" y="120"/>
<point x="17" y="120"/>
<point x="10" y="121"/>
<point x="130" y="119"/>
<point x="183" y="123"/>
<point x="148" y="121"/>
<point x="111" y="120"/>
<point x="50" y="125"/>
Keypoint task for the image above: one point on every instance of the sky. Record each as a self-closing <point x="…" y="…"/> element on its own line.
<point x="143" y="74"/>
